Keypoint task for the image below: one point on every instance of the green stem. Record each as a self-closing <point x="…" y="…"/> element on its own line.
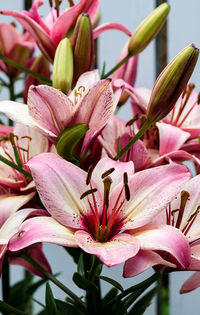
<point x="12" y="97"/>
<point x="16" y="167"/>
<point x="10" y="309"/>
<point x="38" y="76"/>
<point x="93" y="299"/>
<point x="6" y="279"/>
<point x="163" y="295"/>
<point x="54" y="280"/>
<point x="116" y="67"/>
<point x="138" y="135"/>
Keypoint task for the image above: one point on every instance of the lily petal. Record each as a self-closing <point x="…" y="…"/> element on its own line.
<point x="35" y="251"/>
<point x="60" y="185"/>
<point x="45" y="43"/>
<point x="50" y="108"/>
<point x="191" y="284"/>
<point x="114" y="252"/>
<point x="142" y="261"/>
<point x="166" y="238"/>
<point x="171" y="138"/>
<point x="150" y="191"/>
<point x="67" y="20"/>
<point x="10" y="203"/>
<point x="41" y="229"/>
<point x="110" y="26"/>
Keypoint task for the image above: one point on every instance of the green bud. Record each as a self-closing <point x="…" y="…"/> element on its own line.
<point x="63" y="66"/>
<point x="68" y="139"/>
<point x="83" y="46"/>
<point x="148" y="29"/>
<point x="171" y="82"/>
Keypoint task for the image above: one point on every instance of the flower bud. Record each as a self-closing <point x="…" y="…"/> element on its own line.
<point x="63" y="66"/>
<point x="148" y="29"/>
<point x="171" y="82"/>
<point x="19" y="54"/>
<point x="41" y="66"/>
<point x="68" y="139"/>
<point x="83" y="46"/>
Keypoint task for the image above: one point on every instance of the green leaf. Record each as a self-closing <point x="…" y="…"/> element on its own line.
<point x="110" y="296"/>
<point x="50" y="302"/>
<point x="141" y="305"/>
<point x="83" y="283"/>
<point x="113" y="282"/>
<point x="103" y="70"/>
<point x="66" y="308"/>
<point x="10" y="309"/>
<point x="80" y="266"/>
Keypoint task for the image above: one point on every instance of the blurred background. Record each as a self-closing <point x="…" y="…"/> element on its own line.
<point x="183" y="29"/>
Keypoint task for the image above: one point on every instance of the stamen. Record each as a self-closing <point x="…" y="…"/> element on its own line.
<point x="71" y="3"/>
<point x="191" y="221"/>
<point x="125" y="176"/>
<point x="89" y="175"/>
<point x="88" y="192"/>
<point x="184" y="198"/>
<point x="127" y="192"/>
<point x="108" y="172"/>
<point x="132" y="120"/>
<point x="81" y="87"/>
<point x="107" y="184"/>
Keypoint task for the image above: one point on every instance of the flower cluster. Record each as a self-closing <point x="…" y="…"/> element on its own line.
<point x="73" y="173"/>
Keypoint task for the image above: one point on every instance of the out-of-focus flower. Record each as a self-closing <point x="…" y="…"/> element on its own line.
<point x="91" y="102"/>
<point x="102" y="211"/>
<point x="41" y="66"/>
<point x="15" y="47"/>
<point x="126" y="72"/>
<point x="58" y="24"/>
<point x="183" y="214"/>
<point x="10" y="221"/>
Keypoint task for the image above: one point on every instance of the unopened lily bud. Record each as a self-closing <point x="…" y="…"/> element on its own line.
<point x="41" y="66"/>
<point x="63" y="66"/>
<point x="68" y="139"/>
<point x="83" y="46"/>
<point x="171" y="82"/>
<point x="148" y="29"/>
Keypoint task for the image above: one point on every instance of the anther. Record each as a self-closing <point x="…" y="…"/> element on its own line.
<point x="108" y="172"/>
<point x="89" y="175"/>
<point x="107" y="183"/>
<point x="125" y="177"/>
<point x="184" y="198"/>
<point x="88" y="192"/>
<point x="127" y="192"/>
<point x="132" y="120"/>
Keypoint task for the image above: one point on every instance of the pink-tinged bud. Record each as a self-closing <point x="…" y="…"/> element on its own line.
<point x="40" y="65"/>
<point x="63" y="66"/>
<point x="19" y="54"/>
<point x="148" y="29"/>
<point x="83" y="46"/>
<point x="171" y="82"/>
<point x="127" y="72"/>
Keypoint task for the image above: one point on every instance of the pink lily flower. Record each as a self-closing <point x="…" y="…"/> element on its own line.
<point x="99" y="211"/>
<point x="91" y="102"/>
<point x="14" y="46"/>
<point x="10" y="221"/>
<point x="28" y="143"/>
<point x="54" y="28"/>
<point x="148" y="152"/>
<point x="182" y="214"/>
